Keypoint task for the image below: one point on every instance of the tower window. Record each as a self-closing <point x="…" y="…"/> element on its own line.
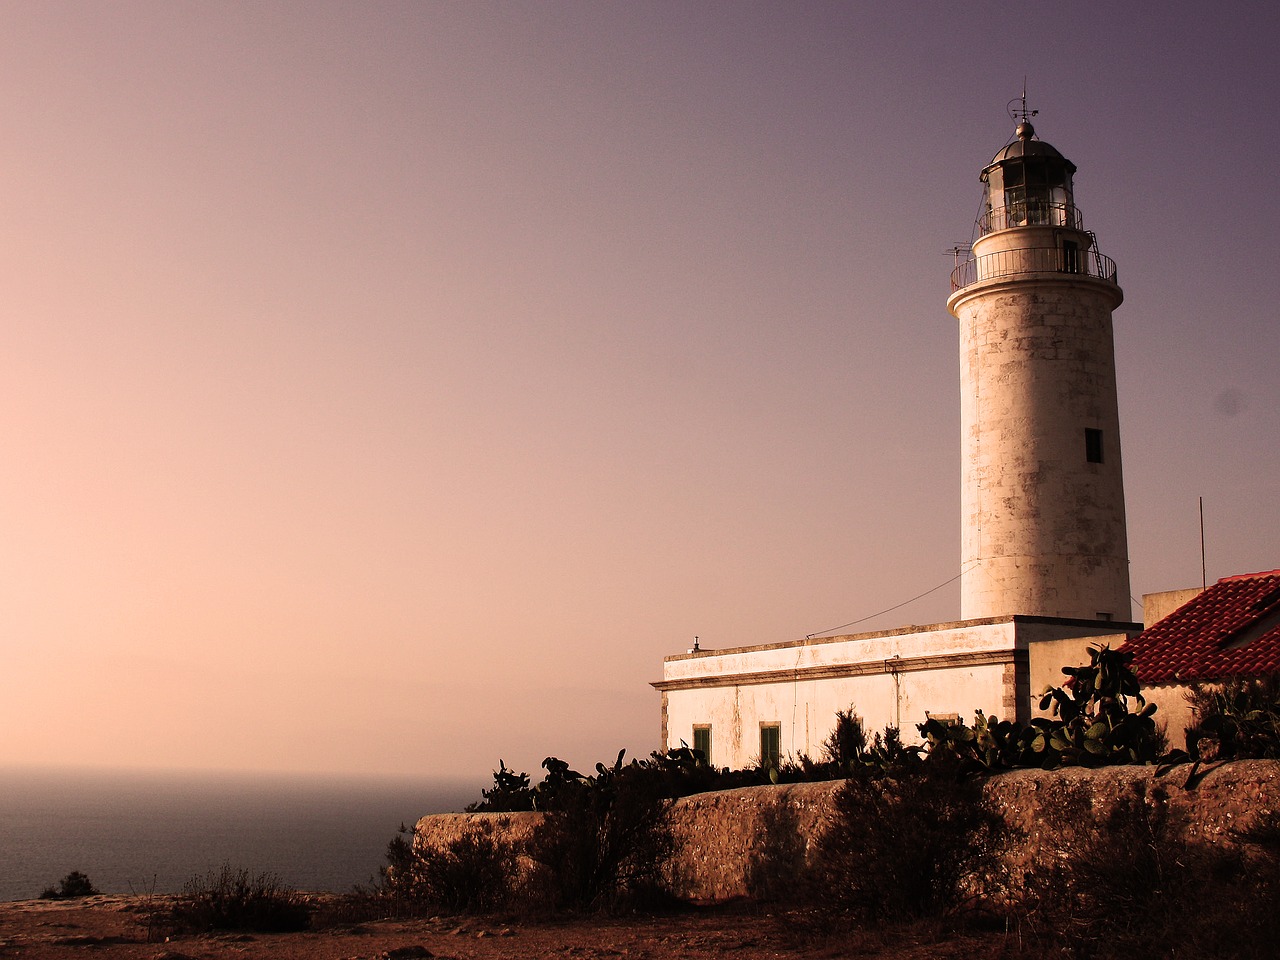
<point x="1092" y="445"/>
<point x="1070" y="256"/>
<point x="702" y="741"/>
<point x="770" y="744"/>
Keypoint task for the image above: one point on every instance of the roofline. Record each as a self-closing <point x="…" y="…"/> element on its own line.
<point x="841" y="671"/>
<point x="1250" y="576"/>
<point x="1104" y="627"/>
<point x="1190" y="680"/>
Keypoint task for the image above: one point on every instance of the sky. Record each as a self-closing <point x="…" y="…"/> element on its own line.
<point x="386" y="388"/>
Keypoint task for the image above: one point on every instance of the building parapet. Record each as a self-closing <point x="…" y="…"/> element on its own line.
<point x="955" y="644"/>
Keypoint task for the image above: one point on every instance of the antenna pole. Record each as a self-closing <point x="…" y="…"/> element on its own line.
<point x="1204" y="580"/>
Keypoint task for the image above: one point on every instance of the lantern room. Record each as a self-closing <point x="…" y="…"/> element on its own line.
<point x="1028" y="183"/>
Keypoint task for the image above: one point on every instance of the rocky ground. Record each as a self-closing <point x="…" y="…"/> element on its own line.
<point x="119" y="927"/>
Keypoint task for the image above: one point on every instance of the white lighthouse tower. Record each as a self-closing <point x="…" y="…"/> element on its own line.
<point x="1043" y="522"/>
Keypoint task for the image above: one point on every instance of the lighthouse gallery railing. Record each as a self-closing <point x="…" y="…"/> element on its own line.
<point x="1033" y="260"/>
<point x="1026" y="213"/>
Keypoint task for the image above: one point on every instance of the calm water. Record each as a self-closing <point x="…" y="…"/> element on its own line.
<point x="135" y="832"/>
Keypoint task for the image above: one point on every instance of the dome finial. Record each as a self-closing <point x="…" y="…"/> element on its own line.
<point x="1024" y="130"/>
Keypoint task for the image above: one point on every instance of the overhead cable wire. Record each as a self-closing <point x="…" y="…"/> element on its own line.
<point x="853" y="623"/>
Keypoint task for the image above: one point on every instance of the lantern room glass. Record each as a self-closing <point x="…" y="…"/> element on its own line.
<point x="1030" y="191"/>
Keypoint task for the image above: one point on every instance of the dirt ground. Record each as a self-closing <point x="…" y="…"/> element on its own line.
<point x="116" y="927"/>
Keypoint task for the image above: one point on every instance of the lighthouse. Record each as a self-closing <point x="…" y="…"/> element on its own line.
<point x="1042" y="493"/>
<point x="1045" y="557"/>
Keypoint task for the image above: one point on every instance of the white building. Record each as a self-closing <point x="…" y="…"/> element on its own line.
<point x="1044" y="552"/>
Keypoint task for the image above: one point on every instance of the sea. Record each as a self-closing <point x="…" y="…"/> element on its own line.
<point x="151" y="832"/>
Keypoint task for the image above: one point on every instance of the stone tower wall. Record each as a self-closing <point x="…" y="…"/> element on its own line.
<point x="1043" y="528"/>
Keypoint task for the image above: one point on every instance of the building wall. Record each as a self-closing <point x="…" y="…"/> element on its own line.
<point x="1047" y="658"/>
<point x="1157" y="606"/>
<point x="894" y="678"/>
<point x="805" y="710"/>
<point x="1173" y="712"/>
<point x="1043" y="529"/>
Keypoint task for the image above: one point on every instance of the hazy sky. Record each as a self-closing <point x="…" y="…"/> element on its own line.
<point x="388" y="387"/>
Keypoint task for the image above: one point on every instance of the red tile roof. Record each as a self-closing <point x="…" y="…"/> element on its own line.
<point x="1232" y="629"/>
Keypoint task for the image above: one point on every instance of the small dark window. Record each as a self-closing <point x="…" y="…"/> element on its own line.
<point x="702" y="741"/>
<point x="1092" y="445"/>
<point x="770" y="744"/>
<point x="1070" y="256"/>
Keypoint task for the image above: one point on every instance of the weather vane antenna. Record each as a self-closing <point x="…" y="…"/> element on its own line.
<point x="1021" y="113"/>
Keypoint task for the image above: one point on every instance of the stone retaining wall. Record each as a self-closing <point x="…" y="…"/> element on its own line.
<point x="751" y="841"/>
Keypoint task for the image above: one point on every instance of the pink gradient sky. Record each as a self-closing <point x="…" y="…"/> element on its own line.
<point x="388" y="387"/>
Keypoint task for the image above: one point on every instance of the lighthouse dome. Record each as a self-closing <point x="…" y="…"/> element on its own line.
<point x="1022" y="149"/>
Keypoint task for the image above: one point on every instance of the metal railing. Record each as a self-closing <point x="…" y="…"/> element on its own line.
<point x="1033" y="260"/>
<point x="1030" y="213"/>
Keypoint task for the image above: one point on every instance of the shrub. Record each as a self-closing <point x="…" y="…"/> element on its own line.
<point x="1095" y="724"/>
<point x="847" y="743"/>
<point x="1238" y="720"/>
<point x="677" y="772"/>
<point x="1126" y="867"/>
<point x="1092" y="725"/>
<point x="777" y="861"/>
<point x="1135" y="884"/>
<point x="510" y="792"/>
<point x="235" y="899"/>
<point x="74" y="884"/>
<point x="906" y="845"/>
<point x="471" y="873"/>
<point x="605" y="842"/>
<point x="152" y="911"/>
